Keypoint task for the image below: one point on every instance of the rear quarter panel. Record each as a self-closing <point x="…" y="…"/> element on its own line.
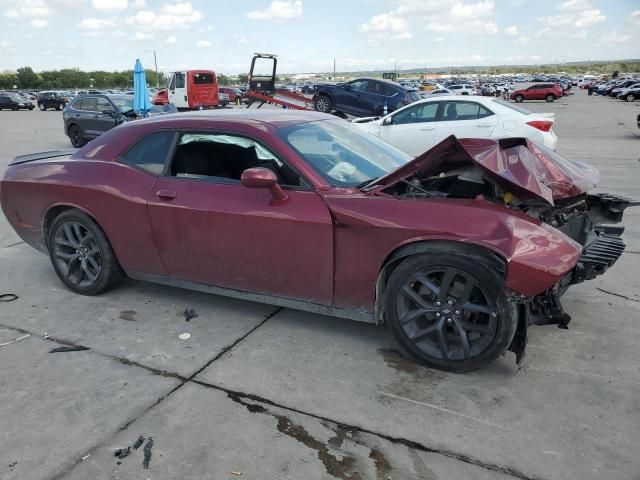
<point x="115" y="195"/>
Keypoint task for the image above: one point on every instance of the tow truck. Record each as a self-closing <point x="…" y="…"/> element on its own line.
<point x="262" y="86"/>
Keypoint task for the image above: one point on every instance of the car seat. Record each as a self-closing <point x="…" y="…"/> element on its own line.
<point x="452" y="112"/>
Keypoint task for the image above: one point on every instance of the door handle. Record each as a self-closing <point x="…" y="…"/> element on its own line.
<point x="483" y="125"/>
<point x="424" y="129"/>
<point x="166" y="194"/>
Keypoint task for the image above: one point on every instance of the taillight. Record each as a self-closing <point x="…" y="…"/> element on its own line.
<point x="542" y="125"/>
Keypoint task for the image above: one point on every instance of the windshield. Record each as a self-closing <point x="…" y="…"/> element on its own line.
<point x="15" y="97"/>
<point x="123" y="104"/>
<point x="341" y="153"/>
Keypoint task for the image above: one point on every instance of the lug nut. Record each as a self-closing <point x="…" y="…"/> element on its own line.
<point x="438" y="303"/>
<point x="437" y="314"/>
<point x="457" y="312"/>
<point x="450" y="302"/>
<point x="449" y="320"/>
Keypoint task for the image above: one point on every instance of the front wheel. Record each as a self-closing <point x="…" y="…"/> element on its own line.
<point x="81" y="254"/>
<point x="550" y="98"/>
<point x="61" y="107"/>
<point x="323" y="104"/>
<point x="519" y="98"/>
<point x="42" y="107"/>
<point x="630" y="98"/>
<point x="446" y="311"/>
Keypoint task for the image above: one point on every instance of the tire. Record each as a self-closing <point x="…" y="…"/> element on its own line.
<point x="435" y="337"/>
<point x="630" y="98"/>
<point x="42" y="107"/>
<point x="60" y="107"/>
<point x="324" y="104"/>
<point x="519" y="98"/>
<point x="76" y="136"/>
<point x="73" y="237"/>
<point x="550" y="98"/>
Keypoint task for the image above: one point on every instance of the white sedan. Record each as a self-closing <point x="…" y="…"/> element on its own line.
<point x="422" y="124"/>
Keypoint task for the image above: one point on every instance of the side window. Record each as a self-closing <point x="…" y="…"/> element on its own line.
<point x="223" y="158"/>
<point x="179" y="80"/>
<point x="89" y="104"/>
<point x="425" y="112"/>
<point x="103" y="104"/>
<point x="483" y="112"/>
<point x="359" y="85"/>
<point x="150" y="153"/>
<point x="172" y="85"/>
<point x="377" y="88"/>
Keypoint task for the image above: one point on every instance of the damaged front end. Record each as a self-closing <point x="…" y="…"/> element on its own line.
<point x="534" y="183"/>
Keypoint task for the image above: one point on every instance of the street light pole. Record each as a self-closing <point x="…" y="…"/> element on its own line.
<point x="155" y="60"/>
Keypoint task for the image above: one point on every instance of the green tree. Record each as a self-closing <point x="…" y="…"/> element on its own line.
<point x="243" y="78"/>
<point x="27" y="78"/>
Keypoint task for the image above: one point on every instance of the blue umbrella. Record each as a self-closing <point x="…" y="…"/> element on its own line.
<point x="141" y="103"/>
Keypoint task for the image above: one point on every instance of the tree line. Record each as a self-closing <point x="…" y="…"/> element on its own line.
<point x="25" y="78"/>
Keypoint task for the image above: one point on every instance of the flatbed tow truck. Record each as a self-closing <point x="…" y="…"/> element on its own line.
<point x="262" y="86"/>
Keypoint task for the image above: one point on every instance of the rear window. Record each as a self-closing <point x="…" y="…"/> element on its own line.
<point x="150" y="153"/>
<point x="203" y="78"/>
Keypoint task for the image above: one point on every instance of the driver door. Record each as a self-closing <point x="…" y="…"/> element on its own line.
<point x="412" y="129"/>
<point x="351" y="98"/>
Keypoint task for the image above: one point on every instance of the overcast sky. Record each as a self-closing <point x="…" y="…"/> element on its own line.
<point x="308" y="34"/>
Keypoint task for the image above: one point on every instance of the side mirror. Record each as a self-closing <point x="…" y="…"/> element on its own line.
<point x="387" y="121"/>
<point x="109" y="112"/>
<point x="263" y="178"/>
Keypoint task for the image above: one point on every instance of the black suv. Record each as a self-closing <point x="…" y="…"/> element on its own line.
<point x="13" y="101"/>
<point x="54" y="100"/>
<point x="88" y="116"/>
<point x="363" y="97"/>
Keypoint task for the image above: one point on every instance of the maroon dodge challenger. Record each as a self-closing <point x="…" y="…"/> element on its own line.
<point x="458" y="251"/>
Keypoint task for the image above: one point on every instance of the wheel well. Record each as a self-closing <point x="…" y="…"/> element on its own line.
<point x="51" y="215"/>
<point x="492" y="259"/>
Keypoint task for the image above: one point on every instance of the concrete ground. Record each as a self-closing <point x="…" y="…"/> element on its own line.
<point x="260" y="392"/>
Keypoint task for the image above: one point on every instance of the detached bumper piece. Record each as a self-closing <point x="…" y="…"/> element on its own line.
<point x="600" y="254"/>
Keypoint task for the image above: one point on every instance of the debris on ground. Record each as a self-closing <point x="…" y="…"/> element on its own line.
<point x="45" y="336"/>
<point x="85" y="457"/>
<point x="122" y="452"/>
<point x="237" y="473"/>
<point x="189" y="313"/>
<point x="147" y="453"/>
<point x="184" y="336"/>
<point x="15" y="340"/>
<point x="13" y="463"/>
<point x="8" y="297"/>
<point x="138" y="443"/>
<point x="71" y="348"/>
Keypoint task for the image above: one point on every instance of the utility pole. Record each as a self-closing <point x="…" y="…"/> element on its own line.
<point x="334" y="69"/>
<point x="155" y="60"/>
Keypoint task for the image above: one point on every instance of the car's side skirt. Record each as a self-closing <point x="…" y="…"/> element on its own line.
<point x="358" y="315"/>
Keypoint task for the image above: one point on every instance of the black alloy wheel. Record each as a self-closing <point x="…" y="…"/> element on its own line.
<point x="444" y="309"/>
<point x="323" y="104"/>
<point x="81" y="254"/>
<point x="550" y="98"/>
<point x="76" y="137"/>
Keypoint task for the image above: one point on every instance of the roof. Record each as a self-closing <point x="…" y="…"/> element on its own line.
<point x="278" y="118"/>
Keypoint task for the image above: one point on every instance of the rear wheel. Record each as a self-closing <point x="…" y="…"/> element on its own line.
<point x="76" y="136"/>
<point x="42" y="107"/>
<point x="323" y="104"/>
<point x="81" y="254"/>
<point x="445" y="310"/>
<point x="550" y="98"/>
<point x="519" y="98"/>
<point x="61" y="106"/>
<point x="630" y="97"/>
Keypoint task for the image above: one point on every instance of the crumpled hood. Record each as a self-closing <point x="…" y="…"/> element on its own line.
<point x="527" y="169"/>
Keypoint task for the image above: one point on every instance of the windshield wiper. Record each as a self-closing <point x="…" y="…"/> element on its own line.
<point x="365" y="183"/>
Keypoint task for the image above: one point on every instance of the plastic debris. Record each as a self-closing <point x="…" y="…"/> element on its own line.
<point x="23" y="337"/>
<point x="45" y="336"/>
<point x="72" y="348"/>
<point x="184" y="336"/>
<point x="189" y="313"/>
<point x="8" y="297"/>
<point x="122" y="452"/>
<point x="85" y="457"/>
<point x="147" y="453"/>
<point x="139" y="442"/>
<point x="237" y="473"/>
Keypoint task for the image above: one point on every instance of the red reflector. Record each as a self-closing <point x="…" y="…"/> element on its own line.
<point x="543" y="125"/>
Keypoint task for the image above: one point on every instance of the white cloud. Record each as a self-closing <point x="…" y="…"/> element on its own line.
<point x="243" y="41"/>
<point x="614" y="37"/>
<point x="589" y="17"/>
<point x="29" y="8"/>
<point x="143" y="37"/>
<point x="171" y="40"/>
<point x="109" y="4"/>
<point x="402" y="36"/>
<point x="385" y="22"/>
<point x="475" y="27"/>
<point x="39" y="23"/>
<point x="171" y="17"/>
<point x="472" y="10"/>
<point x="278" y="10"/>
<point x="635" y="17"/>
<point x="203" y="44"/>
<point x="138" y="4"/>
<point x="512" y="31"/>
<point x="574" y="5"/>
<point x="557" y="20"/>
<point x="579" y="35"/>
<point x="94" y="23"/>
<point x="11" y="13"/>
<point x="422" y="6"/>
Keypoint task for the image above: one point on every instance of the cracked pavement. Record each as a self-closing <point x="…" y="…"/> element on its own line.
<point x="260" y="392"/>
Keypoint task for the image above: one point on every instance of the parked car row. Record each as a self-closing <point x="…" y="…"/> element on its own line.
<point x="622" y="89"/>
